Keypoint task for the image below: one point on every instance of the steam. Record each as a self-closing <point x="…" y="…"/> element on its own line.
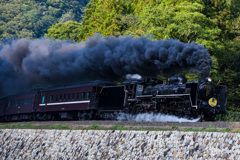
<point x="27" y="63"/>
<point x="133" y="76"/>
<point x="151" y="117"/>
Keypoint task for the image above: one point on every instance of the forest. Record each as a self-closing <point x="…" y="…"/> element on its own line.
<point x="212" y="23"/>
<point x="32" y="18"/>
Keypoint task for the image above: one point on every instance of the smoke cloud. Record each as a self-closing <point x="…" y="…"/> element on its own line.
<point x="24" y="62"/>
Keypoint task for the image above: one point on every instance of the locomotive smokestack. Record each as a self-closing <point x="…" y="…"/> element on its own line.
<point x="24" y="63"/>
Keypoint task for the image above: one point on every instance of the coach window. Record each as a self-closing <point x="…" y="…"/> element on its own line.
<point x="56" y="98"/>
<point x="83" y="95"/>
<point x="69" y="95"/>
<point x="73" y="96"/>
<point x="88" y="95"/>
<point x="60" y="97"/>
<point x="77" y="95"/>
<point x="9" y="104"/>
<point x="51" y="98"/>
<point x="64" y="97"/>
<point x="43" y="99"/>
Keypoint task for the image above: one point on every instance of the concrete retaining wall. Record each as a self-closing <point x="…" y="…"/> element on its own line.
<point x="90" y="144"/>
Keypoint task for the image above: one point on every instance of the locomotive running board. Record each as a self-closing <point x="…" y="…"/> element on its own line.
<point x="164" y="96"/>
<point x="171" y="95"/>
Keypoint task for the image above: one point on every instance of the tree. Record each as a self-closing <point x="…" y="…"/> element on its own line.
<point x="103" y="16"/>
<point x="68" y="30"/>
<point x="183" y="21"/>
<point x="32" y="19"/>
<point x="230" y="72"/>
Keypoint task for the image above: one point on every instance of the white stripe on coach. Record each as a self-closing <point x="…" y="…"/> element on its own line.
<point x="73" y="102"/>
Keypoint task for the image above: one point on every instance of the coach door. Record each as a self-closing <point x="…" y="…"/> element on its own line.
<point x="43" y="101"/>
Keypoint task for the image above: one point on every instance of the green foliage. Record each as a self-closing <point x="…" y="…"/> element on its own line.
<point x="68" y="30"/>
<point x="174" y="127"/>
<point x="231" y="116"/>
<point x="226" y="130"/>
<point x="95" y="126"/>
<point x="116" y="127"/>
<point x="183" y="21"/>
<point x="19" y="125"/>
<point x="31" y="19"/>
<point x="102" y="16"/>
<point x="28" y="125"/>
<point x="229" y="58"/>
<point x="59" y="127"/>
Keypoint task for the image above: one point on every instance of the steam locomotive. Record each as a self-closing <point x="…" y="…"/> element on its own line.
<point x="103" y="100"/>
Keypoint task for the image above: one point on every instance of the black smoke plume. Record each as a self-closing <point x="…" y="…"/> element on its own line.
<point x="24" y="63"/>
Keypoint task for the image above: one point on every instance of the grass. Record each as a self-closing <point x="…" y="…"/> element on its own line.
<point x="210" y="128"/>
<point x="95" y="126"/>
<point x="60" y="127"/>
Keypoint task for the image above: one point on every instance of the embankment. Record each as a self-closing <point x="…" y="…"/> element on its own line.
<point x="102" y="144"/>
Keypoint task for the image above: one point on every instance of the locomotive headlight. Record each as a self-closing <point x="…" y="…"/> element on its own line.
<point x="209" y="79"/>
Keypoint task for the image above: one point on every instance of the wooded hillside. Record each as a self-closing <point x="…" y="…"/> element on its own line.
<point x="32" y="18"/>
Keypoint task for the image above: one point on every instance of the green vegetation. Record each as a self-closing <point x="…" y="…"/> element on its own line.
<point x="231" y="116"/>
<point x="95" y="126"/>
<point x="20" y="126"/>
<point x="116" y="127"/>
<point x="174" y="127"/>
<point x="68" y="30"/>
<point x="59" y="127"/>
<point x="210" y="128"/>
<point x="32" y="19"/>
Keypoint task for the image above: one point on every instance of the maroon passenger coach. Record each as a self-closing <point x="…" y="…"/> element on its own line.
<point x="79" y="101"/>
<point x="20" y="107"/>
<point x="70" y="102"/>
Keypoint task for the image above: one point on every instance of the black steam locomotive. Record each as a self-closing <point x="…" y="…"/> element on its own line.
<point x="179" y="97"/>
<point x="102" y="100"/>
